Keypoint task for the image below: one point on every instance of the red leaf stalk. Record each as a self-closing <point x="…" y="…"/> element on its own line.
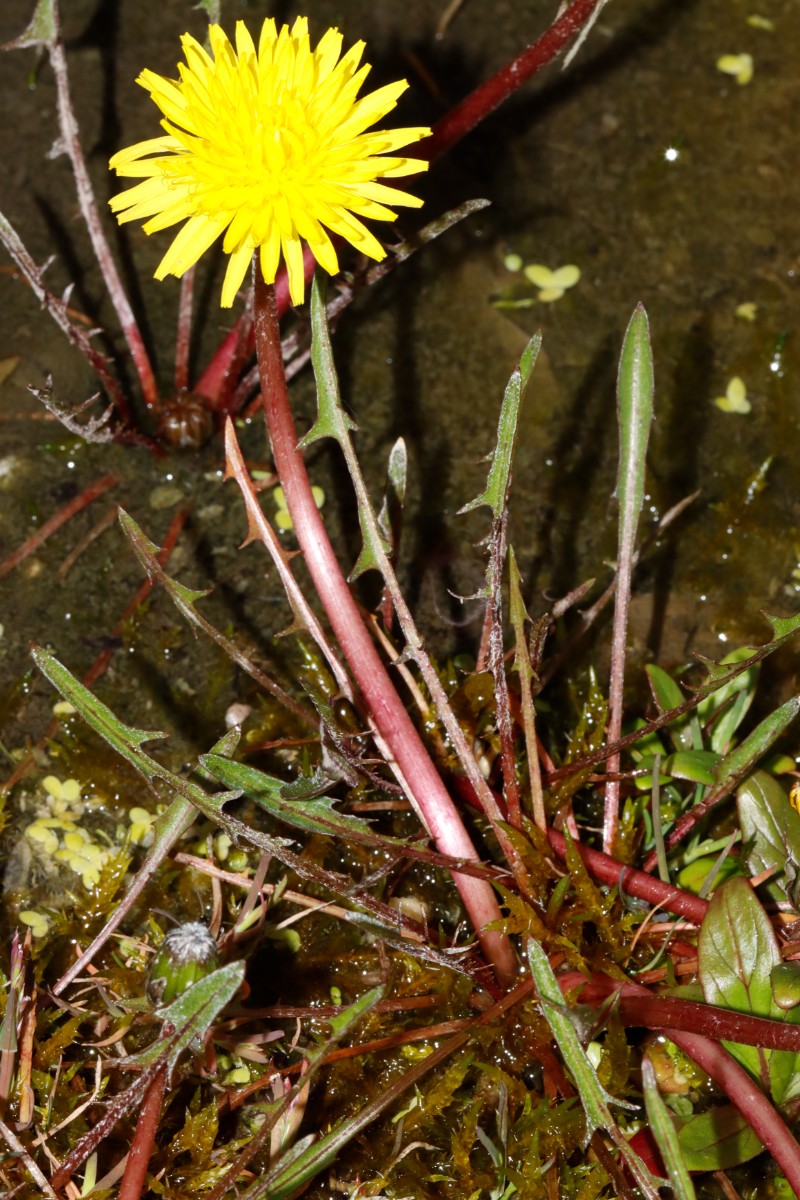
<point x="411" y="759"/>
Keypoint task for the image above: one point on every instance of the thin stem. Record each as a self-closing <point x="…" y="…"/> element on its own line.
<point x="143" y="1139"/>
<point x="494" y="579"/>
<point x="69" y="136"/>
<point x="635" y="883"/>
<point x="635" y="417"/>
<point x="34" y="277"/>
<point x="488" y="96"/>
<point x="393" y="723"/>
<point x="415" y="648"/>
<point x="183" y="337"/>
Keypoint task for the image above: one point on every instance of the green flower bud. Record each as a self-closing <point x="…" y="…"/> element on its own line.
<point x="187" y="953"/>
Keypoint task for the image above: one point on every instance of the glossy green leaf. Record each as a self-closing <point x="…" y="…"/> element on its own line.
<point x="770" y="831"/>
<point x="697" y="766"/>
<point x="783" y="627"/>
<point x="735" y="695"/>
<point x="635" y="386"/>
<point x="668" y="695"/>
<point x="737" y="951"/>
<point x="332" y="421"/>
<point x="663" y="1129"/>
<point x="731" y="769"/>
<point x="694" y="876"/>
<point x="394" y="498"/>
<point x="124" y="738"/>
<point x="717" y="1140"/>
<point x="785" y="979"/>
<point x="299" y="808"/>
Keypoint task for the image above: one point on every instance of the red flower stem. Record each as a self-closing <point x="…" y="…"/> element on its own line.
<point x="143" y="1139"/>
<point x="635" y="883"/>
<point x="69" y="133"/>
<point x="454" y="125"/>
<point x="424" y="784"/>
<point x="183" y="337"/>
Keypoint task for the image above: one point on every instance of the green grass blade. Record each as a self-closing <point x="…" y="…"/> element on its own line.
<point x="635" y="385"/>
<point x="666" y="1135"/>
<point x="594" y="1098"/>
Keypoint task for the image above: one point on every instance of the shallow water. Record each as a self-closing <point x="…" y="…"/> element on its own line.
<point x="661" y="178"/>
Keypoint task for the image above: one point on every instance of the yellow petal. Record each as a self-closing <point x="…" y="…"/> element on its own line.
<point x="268" y="147"/>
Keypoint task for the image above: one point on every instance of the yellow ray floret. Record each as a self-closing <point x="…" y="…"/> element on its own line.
<point x="266" y="148"/>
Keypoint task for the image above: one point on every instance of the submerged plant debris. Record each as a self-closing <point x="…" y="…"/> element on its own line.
<point x="364" y="916"/>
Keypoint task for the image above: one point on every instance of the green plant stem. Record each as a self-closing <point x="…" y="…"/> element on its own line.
<point x="419" y="775"/>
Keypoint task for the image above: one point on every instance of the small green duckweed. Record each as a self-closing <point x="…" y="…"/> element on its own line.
<point x="552" y="284"/>
<point x="282" y="518"/>
<point x="747" y="311"/>
<point x="739" y="66"/>
<point x="735" y="398"/>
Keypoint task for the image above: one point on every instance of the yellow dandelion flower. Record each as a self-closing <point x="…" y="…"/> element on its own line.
<point x="267" y="149"/>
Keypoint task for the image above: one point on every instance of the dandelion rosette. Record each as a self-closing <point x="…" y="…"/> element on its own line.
<point x="268" y="149"/>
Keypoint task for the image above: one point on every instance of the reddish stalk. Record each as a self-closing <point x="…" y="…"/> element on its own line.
<point x="606" y="869"/>
<point x="411" y="759"/>
<point x="183" y="336"/>
<point x="746" y="1095"/>
<point x="633" y="882"/>
<point x="639" y="1006"/>
<point x="143" y="1139"/>
<point x="490" y="95"/>
<point x="740" y="1089"/>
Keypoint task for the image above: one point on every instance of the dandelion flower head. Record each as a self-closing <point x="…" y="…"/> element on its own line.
<point x="266" y="148"/>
